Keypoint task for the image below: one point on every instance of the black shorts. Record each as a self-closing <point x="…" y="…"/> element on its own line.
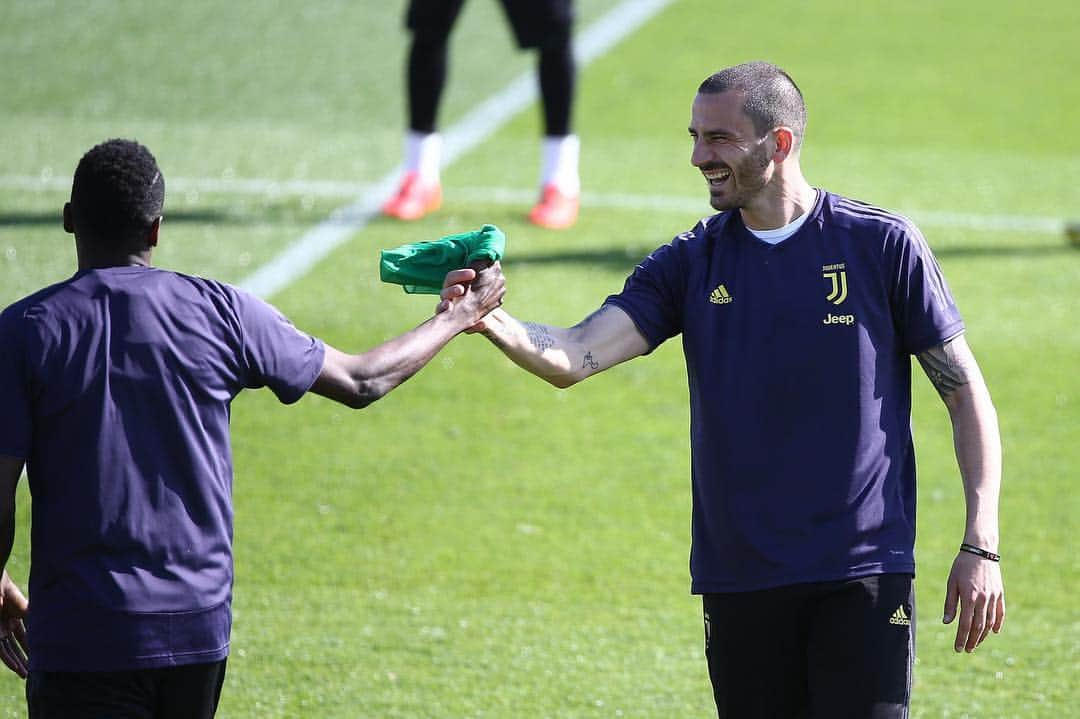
<point x="834" y="650"/>
<point x="532" y="20"/>
<point x="190" y="691"/>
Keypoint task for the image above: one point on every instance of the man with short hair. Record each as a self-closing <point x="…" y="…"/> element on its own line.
<point x="799" y="311"/>
<point x="116" y="386"/>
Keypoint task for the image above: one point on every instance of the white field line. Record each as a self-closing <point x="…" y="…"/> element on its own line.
<point x="468" y="132"/>
<point x="699" y="207"/>
<point x="693" y="206"/>
<point x="208" y="185"/>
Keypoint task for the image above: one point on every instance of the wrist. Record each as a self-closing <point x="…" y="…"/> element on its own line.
<point x="980" y="552"/>
<point x="495" y="325"/>
<point x="452" y="321"/>
<point x="983" y="540"/>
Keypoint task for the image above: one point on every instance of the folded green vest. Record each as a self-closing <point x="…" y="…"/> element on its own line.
<point x="421" y="266"/>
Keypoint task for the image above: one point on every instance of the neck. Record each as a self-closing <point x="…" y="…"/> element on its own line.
<point x="780" y="202"/>
<point x="91" y="260"/>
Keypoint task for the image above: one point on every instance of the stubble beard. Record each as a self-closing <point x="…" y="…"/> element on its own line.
<point x="750" y="178"/>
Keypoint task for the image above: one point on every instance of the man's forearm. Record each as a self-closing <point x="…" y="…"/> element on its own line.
<point x="358" y="380"/>
<point x="566" y="356"/>
<point x="7" y="527"/>
<point x="978" y="453"/>
<point x="375" y="373"/>
<point x="952" y="369"/>
<point x="7" y="540"/>
<point x="543" y="350"/>
<point x="10" y="472"/>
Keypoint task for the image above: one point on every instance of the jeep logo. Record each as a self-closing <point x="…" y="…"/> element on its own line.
<point x="831" y="319"/>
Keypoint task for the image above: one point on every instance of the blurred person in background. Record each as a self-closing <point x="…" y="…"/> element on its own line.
<point x="543" y="25"/>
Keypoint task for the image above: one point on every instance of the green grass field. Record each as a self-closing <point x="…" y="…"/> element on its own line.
<point x="479" y="544"/>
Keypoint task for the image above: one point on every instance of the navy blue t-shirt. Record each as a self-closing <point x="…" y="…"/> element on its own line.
<point x="116" y="387"/>
<point x="798" y="357"/>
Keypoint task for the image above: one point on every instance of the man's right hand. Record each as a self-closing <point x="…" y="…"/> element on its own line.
<point x="473" y="291"/>
<point x="357" y="380"/>
<point x="13" y="607"/>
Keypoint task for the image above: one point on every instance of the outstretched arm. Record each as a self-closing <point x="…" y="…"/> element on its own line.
<point x="975" y="582"/>
<point x="565" y="356"/>
<point x="360" y="379"/>
<point x="561" y="356"/>
<point x="13" y="604"/>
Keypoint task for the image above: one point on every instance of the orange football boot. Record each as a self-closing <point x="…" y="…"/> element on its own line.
<point x="415" y="198"/>
<point x="555" y="211"/>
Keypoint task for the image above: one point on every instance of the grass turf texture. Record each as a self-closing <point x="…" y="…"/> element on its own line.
<point x="479" y="544"/>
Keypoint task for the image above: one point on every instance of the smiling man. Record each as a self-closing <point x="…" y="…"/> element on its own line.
<point x="799" y="312"/>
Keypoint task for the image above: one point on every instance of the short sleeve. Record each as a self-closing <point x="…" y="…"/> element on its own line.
<point x="924" y="310"/>
<point x="277" y="355"/>
<point x="16" y="413"/>
<point x="654" y="293"/>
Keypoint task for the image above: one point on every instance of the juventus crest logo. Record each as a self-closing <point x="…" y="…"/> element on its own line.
<point x="837" y="277"/>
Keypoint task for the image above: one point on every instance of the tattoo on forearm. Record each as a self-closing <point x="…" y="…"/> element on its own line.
<point x="589" y="362"/>
<point x="946" y="368"/>
<point x="539" y="337"/>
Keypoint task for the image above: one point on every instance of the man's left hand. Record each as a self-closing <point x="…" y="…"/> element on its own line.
<point x="13" y="606"/>
<point x="975" y="586"/>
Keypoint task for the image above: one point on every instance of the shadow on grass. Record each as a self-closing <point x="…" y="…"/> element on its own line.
<point x="254" y="212"/>
<point x="1059" y="248"/>
<point x="616" y="258"/>
<point x="53" y="217"/>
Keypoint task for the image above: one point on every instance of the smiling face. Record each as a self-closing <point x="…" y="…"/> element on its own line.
<point x="735" y="160"/>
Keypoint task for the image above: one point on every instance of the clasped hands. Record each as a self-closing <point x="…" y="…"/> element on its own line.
<point x="478" y="288"/>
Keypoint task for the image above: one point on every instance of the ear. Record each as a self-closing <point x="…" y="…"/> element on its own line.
<point x="69" y="225"/>
<point x="152" y="235"/>
<point x="785" y="143"/>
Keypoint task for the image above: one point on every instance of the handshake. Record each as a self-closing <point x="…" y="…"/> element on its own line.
<point x="471" y="293"/>
<point x="470" y="300"/>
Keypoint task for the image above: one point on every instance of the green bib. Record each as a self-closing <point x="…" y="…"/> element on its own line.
<point x="420" y="267"/>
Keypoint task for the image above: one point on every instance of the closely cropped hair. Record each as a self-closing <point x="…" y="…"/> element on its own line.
<point x="772" y="97"/>
<point x="117" y="193"/>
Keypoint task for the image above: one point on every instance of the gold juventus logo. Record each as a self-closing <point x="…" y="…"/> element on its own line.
<point x="837" y="277"/>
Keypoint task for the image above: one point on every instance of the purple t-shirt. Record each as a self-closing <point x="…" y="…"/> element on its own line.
<point x="116" y="388"/>
<point x="798" y="357"/>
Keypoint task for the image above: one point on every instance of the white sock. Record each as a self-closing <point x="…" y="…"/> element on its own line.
<point x="423" y="154"/>
<point x="560" y="164"/>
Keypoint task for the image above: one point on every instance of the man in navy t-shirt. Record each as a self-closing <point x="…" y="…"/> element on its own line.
<point x="116" y="387"/>
<point x="799" y="311"/>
